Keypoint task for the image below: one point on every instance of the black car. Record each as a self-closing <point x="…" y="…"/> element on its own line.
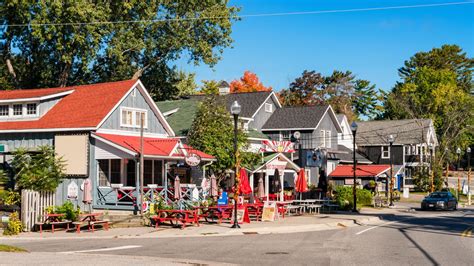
<point x="440" y="200"/>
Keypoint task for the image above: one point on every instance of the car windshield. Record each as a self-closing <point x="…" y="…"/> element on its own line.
<point x="438" y="195"/>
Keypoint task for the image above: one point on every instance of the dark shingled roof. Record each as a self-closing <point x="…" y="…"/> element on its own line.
<point x="407" y="131"/>
<point x="296" y="117"/>
<point x="250" y="101"/>
<point x="345" y="156"/>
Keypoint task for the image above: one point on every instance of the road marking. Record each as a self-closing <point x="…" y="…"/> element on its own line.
<point x="101" y="249"/>
<point x="373" y="227"/>
<point x="467" y="232"/>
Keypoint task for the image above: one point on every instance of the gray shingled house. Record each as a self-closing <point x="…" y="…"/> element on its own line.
<point x="413" y="139"/>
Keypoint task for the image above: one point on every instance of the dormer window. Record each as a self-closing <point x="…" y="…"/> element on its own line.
<point x="17" y="109"/>
<point x="31" y="109"/>
<point x="4" y="109"/>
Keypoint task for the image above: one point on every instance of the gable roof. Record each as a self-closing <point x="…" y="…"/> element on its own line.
<point x="82" y="107"/>
<point x="406" y="131"/>
<point x="250" y="101"/>
<point x="345" y="155"/>
<point x="296" y="117"/>
<point x="373" y="170"/>
<point x="181" y="120"/>
<point x="269" y="158"/>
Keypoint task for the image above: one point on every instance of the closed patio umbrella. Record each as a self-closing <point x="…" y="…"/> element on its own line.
<point x="244" y="187"/>
<point x="213" y="186"/>
<point x="177" y="189"/>
<point x="261" y="189"/>
<point x="301" y="184"/>
<point x="87" y="196"/>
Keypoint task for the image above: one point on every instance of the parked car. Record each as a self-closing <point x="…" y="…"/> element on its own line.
<point x="442" y="200"/>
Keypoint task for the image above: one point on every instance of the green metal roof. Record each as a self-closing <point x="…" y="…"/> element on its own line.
<point x="182" y="120"/>
<point x="256" y="135"/>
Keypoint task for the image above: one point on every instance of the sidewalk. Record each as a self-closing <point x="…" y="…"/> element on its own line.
<point x="291" y="224"/>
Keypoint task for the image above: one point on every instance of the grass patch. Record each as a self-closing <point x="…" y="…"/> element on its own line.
<point x="7" y="248"/>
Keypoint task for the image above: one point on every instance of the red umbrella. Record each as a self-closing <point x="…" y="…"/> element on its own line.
<point x="244" y="187"/>
<point x="301" y="184"/>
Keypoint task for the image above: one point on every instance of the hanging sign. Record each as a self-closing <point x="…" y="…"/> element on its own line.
<point x="277" y="146"/>
<point x="192" y="159"/>
<point x="72" y="190"/>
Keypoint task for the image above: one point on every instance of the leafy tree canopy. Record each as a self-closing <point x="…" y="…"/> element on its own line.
<point x="249" y="82"/>
<point x="210" y="87"/>
<point x="67" y="42"/>
<point x="346" y="94"/>
<point x="213" y="133"/>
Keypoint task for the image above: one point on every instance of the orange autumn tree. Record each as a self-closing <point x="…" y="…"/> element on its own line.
<point x="249" y="82"/>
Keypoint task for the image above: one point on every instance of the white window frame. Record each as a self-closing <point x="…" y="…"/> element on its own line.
<point x="135" y="123"/>
<point x="322" y="136"/>
<point x="8" y="111"/>
<point x="383" y="152"/>
<point x="22" y="110"/>
<point x="268" y="108"/>
<point x="25" y="111"/>
<point x="328" y="139"/>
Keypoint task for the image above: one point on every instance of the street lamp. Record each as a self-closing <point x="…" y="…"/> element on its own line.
<point x="235" y="111"/>
<point x="458" y="152"/>
<point x="468" y="151"/>
<point x="354" y="190"/>
<point x="431" y="147"/>
<point x="390" y="140"/>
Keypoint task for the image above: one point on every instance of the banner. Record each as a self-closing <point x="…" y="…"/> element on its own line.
<point x="277" y="146"/>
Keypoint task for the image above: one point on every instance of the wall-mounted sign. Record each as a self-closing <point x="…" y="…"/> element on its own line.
<point x="72" y="190"/>
<point x="192" y="159"/>
<point x="277" y="146"/>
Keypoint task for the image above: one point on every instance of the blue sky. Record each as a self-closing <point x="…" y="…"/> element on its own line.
<point x="371" y="44"/>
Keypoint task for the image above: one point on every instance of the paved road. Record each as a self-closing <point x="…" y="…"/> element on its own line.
<point x="414" y="238"/>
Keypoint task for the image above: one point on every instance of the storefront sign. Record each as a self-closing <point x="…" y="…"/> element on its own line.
<point x="192" y="159"/>
<point x="269" y="211"/>
<point x="72" y="190"/>
<point x="277" y="146"/>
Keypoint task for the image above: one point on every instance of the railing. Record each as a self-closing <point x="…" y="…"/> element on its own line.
<point x="412" y="158"/>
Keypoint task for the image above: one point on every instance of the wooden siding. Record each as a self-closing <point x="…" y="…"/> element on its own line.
<point x="326" y="123"/>
<point x="262" y="116"/>
<point x="153" y="123"/>
<point x="374" y="153"/>
<point x="46" y="105"/>
<point x="105" y="151"/>
<point x="28" y="141"/>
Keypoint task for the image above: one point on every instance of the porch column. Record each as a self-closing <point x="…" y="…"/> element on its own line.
<point x="251" y="182"/>
<point x="267" y="182"/>
<point x="281" y="185"/>
<point x="165" y="176"/>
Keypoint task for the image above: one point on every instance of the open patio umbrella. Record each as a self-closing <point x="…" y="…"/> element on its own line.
<point x="213" y="186"/>
<point x="87" y="196"/>
<point x="301" y="183"/>
<point x="177" y="189"/>
<point x="244" y="186"/>
<point x="260" y="189"/>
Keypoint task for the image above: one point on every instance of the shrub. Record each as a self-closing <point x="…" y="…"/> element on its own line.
<point x="68" y="209"/>
<point x="345" y="197"/>
<point x="9" y="197"/>
<point x="14" y="225"/>
<point x="39" y="171"/>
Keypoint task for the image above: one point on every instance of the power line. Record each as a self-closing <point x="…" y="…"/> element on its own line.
<point x="316" y="12"/>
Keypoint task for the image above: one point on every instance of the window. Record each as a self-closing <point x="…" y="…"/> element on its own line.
<point x="285" y="135"/>
<point x="268" y="107"/>
<point x="104" y="172"/>
<point x="385" y="152"/>
<point x="132" y="117"/>
<point x="328" y="139"/>
<point x="322" y="143"/>
<point x="109" y="172"/>
<point x="17" y="109"/>
<point x="31" y="109"/>
<point x="115" y="171"/>
<point x="4" y="110"/>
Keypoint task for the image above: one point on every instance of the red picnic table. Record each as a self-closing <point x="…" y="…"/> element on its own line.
<point x="216" y="212"/>
<point x="183" y="216"/>
<point x="91" y="220"/>
<point x="53" y="219"/>
<point x="254" y="210"/>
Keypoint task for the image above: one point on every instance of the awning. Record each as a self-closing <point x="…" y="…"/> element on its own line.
<point x="373" y="170"/>
<point x="164" y="148"/>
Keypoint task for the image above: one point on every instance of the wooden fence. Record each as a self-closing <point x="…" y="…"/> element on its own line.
<point x="33" y="206"/>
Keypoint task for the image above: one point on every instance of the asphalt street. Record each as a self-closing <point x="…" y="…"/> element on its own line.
<point x="407" y="238"/>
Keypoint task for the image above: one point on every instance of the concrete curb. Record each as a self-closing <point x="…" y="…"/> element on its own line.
<point x="261" y="230"/>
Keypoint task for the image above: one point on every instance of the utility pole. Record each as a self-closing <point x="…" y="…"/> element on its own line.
<point x="142" y="118"/>
<point x="468" y="151"/>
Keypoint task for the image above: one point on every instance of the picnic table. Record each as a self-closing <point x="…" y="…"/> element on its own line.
<point x="91" y="220"/>
<point x="254" y="210"/>
<point x="183" y="216"/>
<point x="53" y="219"/>
<point x="216" y="212"/>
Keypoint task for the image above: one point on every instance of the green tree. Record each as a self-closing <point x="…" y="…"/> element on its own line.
<point x="353" y="97"/>
<point x="41" y="171"/>
<point x="213" y="133"/>
<point x="210" y="87"/>
<point x="186" y="84"/>
<point x="59" y="43"/>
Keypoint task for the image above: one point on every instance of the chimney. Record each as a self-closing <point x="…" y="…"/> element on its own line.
<point x="224" y="88"/>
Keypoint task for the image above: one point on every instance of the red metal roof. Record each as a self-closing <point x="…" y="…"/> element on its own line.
<point x="163" y="147"/>
<point x="86" y="107"/>
<point x="372" y="170"/>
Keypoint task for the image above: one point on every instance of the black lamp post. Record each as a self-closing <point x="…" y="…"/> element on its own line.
<point x="458" y="152"/>
<point x="431" y="147"/>
<point x="354" y="165"/>
<point x="235" y="111"/>
<point x="392" y="180"/>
